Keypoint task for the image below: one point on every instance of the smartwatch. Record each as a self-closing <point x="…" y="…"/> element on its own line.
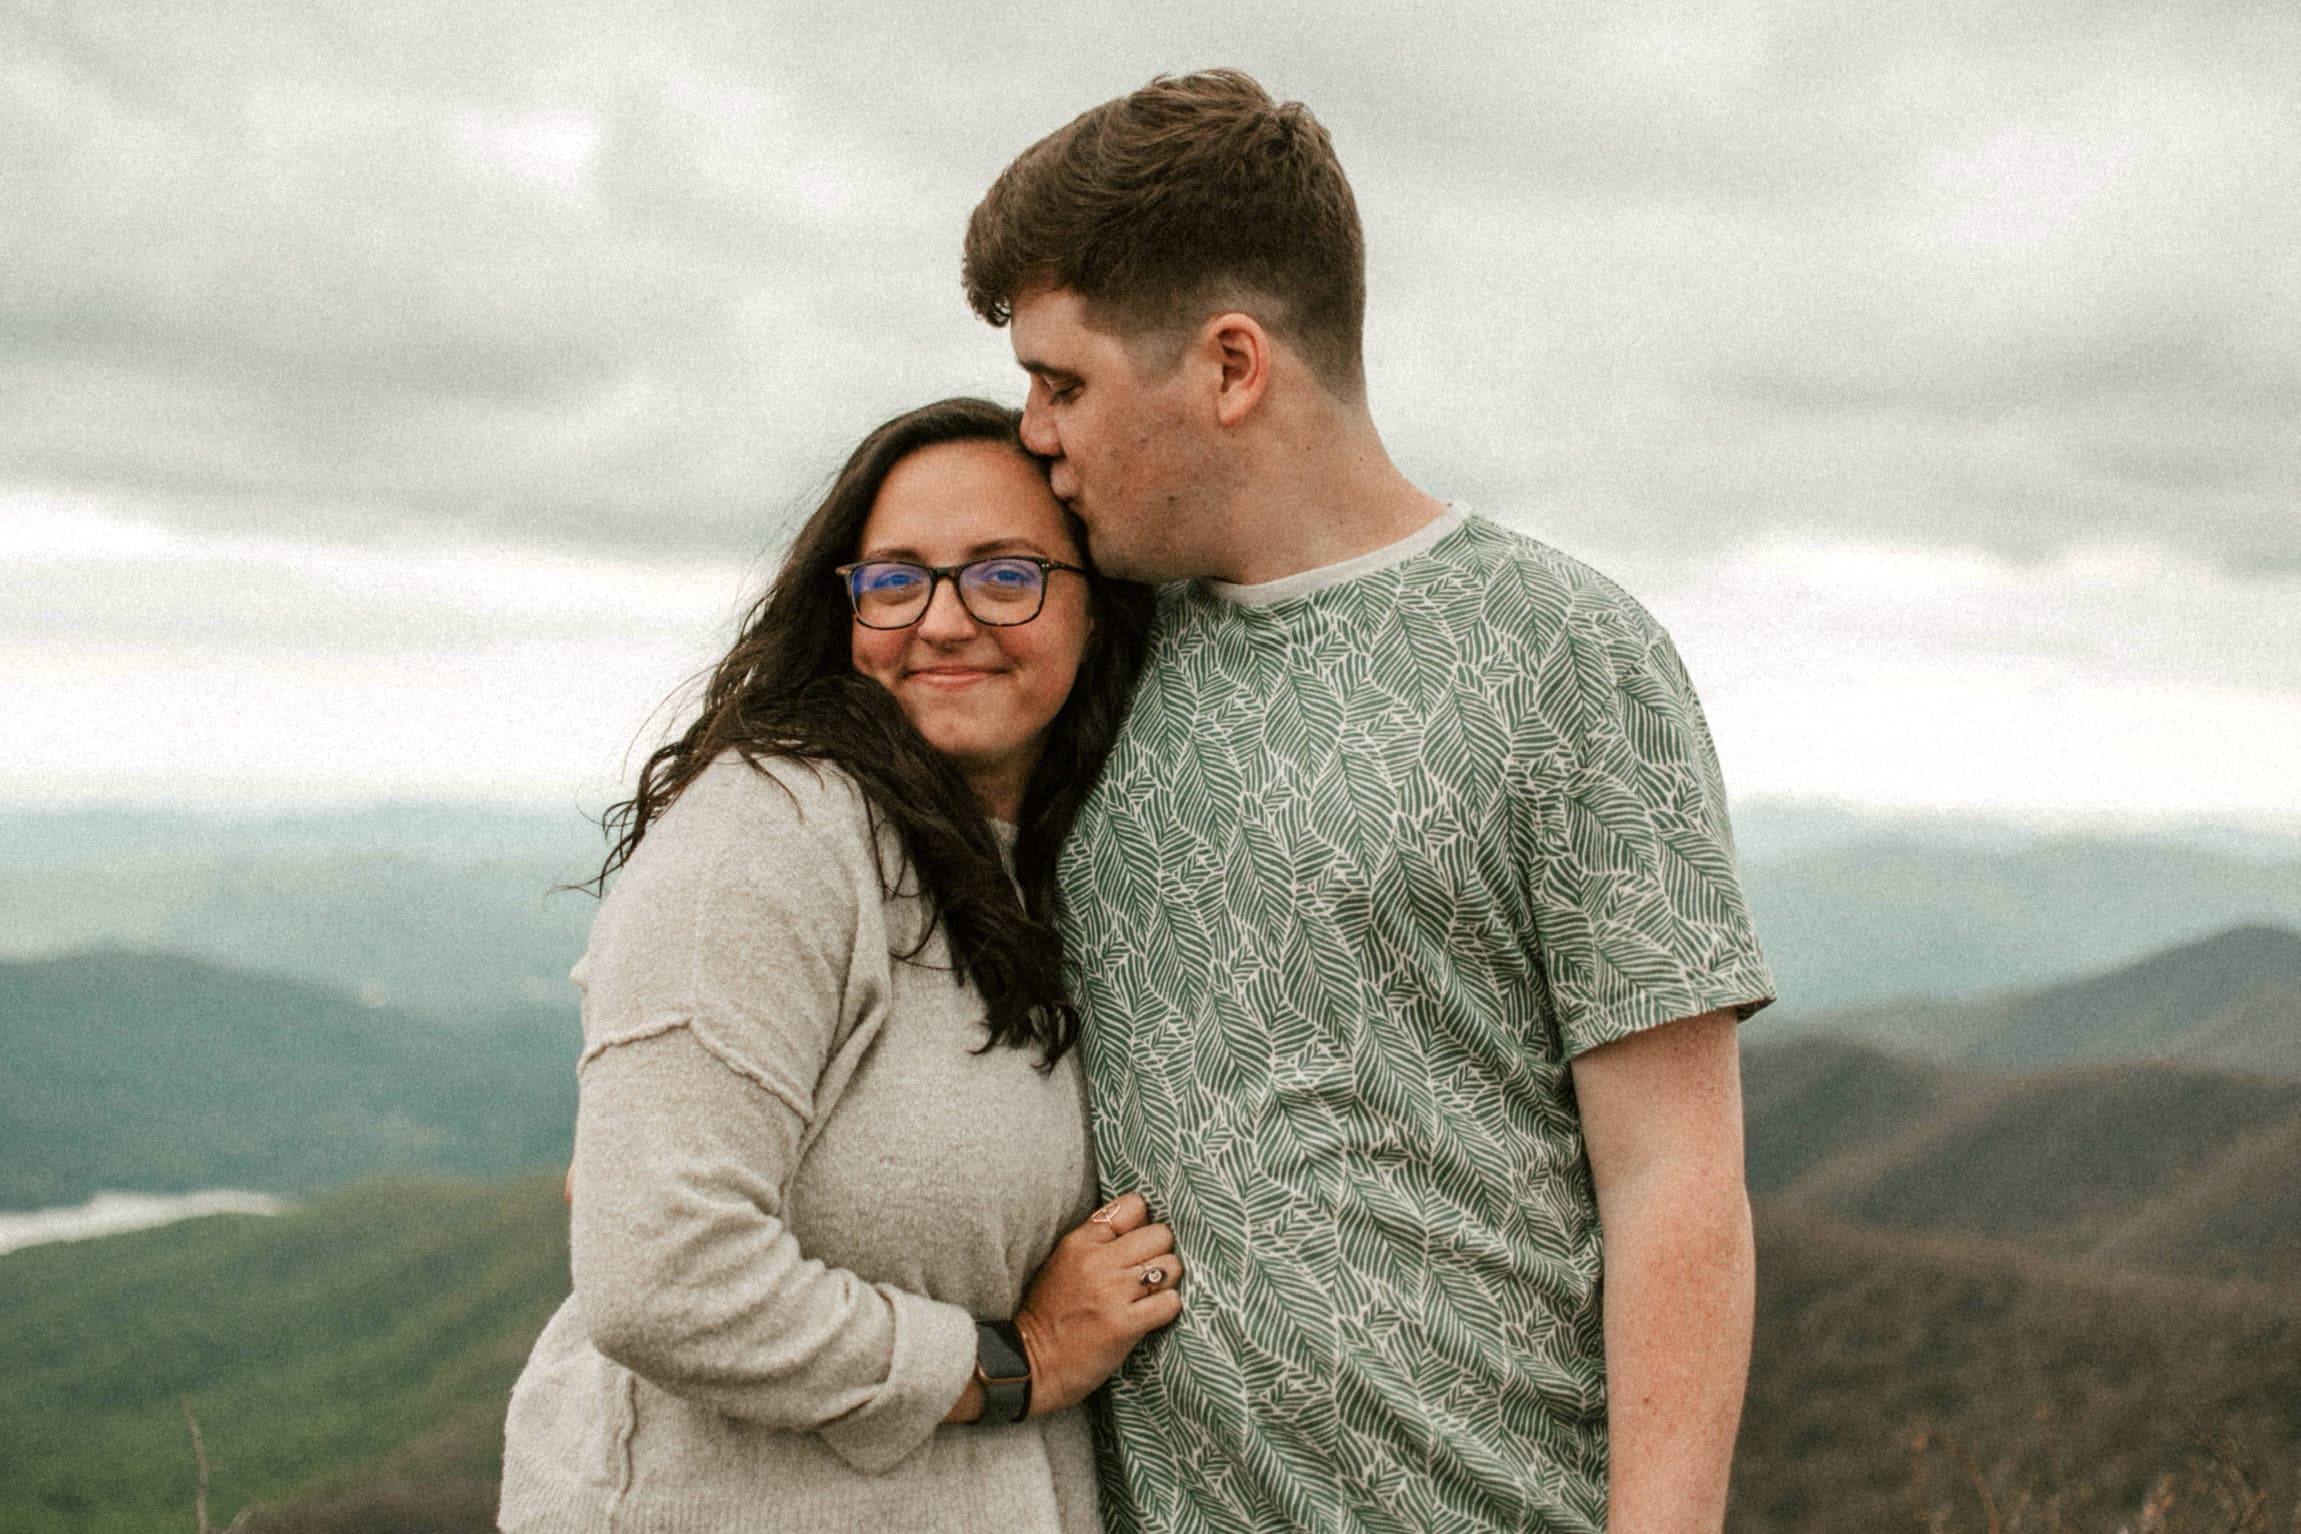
<point x="1003" y="1369"/>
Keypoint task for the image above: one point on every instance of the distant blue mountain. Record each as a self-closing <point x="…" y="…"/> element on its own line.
<point x="441" y="909"/>
<point x="412" y="829"/>
<point x="2229" y="1002"/>
<point x="1856" y="923"/>
<point x="161" y="1073"/>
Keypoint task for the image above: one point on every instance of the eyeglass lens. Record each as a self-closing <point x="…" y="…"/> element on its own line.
<point x="891" y="593"/>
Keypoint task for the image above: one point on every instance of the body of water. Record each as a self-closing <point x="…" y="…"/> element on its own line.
<point x="108" y="1214"/>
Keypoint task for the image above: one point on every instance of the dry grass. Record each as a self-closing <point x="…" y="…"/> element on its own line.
<point x="2212" y="1491"/>
<point x="457" y="1506"/>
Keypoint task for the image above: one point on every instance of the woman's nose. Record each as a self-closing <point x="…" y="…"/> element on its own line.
<point x="946" y="616"/>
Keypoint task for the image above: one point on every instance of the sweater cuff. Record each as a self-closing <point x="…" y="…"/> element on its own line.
<point x="934" y="1358"/>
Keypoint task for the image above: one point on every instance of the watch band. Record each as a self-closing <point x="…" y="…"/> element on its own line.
<point x="1003" y="1369"/>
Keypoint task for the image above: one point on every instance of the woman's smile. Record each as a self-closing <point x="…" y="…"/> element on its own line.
<point x="953" y="675"/>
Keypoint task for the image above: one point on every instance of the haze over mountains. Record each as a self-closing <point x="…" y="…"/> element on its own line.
<point x="444" y="909"/>
<point x="1894" y="916"/>
<point x="447" y="908"/>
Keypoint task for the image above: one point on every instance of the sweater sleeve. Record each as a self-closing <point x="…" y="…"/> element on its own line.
<point x="719" y="985"/>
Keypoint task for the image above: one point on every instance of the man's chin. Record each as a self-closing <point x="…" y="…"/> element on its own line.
<point x="1110" y="560"/>
<point x="1122" y="565"/>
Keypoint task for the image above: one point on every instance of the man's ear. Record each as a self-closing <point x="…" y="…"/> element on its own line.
<point x="1240" y="347"/>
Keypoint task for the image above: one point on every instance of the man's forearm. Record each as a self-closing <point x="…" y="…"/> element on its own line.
<point x="1679" y="1295"/>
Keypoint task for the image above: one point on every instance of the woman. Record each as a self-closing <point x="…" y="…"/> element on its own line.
<point x="830" y="1119"/>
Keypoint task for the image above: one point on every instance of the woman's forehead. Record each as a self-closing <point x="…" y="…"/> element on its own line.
<point x="961" y="500"/>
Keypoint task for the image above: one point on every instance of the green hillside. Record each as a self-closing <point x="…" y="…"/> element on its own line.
<point x="2059" y="1159"/>
<point x="368" y="1341"/>
<point x="349" y="1363"/>
<point x="159" y="1073"/>
<point x="1808" y="1102"/>
<point x="2240" y="1215"/>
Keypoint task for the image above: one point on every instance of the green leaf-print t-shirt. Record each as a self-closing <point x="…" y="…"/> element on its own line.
<point x="1379" y="851"/>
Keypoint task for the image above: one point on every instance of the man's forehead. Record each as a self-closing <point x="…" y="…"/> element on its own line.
<point x="1055" y="331"/>
<point x="1045" y="318"/>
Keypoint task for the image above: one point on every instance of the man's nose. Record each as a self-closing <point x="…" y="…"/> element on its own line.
<point x="1038" y="431"/>
<point x="946" y="616"/>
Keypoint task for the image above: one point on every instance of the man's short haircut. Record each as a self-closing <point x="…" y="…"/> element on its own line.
<point x="1195" y="194"/>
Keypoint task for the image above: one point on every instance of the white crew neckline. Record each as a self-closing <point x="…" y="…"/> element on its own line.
<point x="1304" y="582"/>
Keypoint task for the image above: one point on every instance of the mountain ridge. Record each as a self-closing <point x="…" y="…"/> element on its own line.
<point x="2230" y="1000"/>
<point x="165" y="1073"/>
<point x="2177" y="1169"/>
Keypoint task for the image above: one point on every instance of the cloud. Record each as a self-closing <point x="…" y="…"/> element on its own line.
<point x="321" y="297"/>
<point x="2112" y="682"/>
<point x="143" y="663"/>
<point x="267" y="599"/>
<point x="1646" y="274"/>
<point x="138" y="661"/>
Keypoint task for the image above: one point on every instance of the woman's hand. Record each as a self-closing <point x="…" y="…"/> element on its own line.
<point x="1105" y="1285"/>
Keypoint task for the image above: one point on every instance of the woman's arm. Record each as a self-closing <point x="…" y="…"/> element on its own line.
<point x="739" y="949"/>
<point x="687" y="1274"/>
<point x="734" y="957"/>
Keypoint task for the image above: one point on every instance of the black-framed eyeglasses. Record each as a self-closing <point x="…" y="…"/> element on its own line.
<point x="1001" y="591"/>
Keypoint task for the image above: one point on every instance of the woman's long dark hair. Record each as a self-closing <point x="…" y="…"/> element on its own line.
<point x="789" y="688"/>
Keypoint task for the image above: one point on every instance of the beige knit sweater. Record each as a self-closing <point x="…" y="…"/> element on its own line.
<point x="796" y="1186"/>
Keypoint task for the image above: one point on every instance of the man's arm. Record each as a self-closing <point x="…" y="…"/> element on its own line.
<point x="1662" y="1115"/>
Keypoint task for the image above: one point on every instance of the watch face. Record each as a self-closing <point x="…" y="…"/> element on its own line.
<point x="999" y="1357"/>
<point x="1004" y="1370"/>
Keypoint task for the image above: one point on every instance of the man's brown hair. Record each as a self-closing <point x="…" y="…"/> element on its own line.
<point x="1195" y="194"/>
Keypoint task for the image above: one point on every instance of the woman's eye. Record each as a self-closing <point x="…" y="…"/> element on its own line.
<point x="890" y="582"/>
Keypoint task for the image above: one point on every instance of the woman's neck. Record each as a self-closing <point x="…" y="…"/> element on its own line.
<point x="999" y="788"/>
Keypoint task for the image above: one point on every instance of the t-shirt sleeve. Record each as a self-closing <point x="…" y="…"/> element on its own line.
<point x="1637" y="901"/>
<point x="721" y="977"/>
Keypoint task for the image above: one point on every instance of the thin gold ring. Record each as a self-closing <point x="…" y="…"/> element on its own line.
<point x="1153" y="1276"/>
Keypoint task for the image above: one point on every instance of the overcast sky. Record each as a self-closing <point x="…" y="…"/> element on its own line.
<point x="399" y="400"/>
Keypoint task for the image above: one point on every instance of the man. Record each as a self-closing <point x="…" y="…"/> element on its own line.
<point x="1405" y="917"/>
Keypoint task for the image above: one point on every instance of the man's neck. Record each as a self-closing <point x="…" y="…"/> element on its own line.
<point x="1321" y="503"/>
